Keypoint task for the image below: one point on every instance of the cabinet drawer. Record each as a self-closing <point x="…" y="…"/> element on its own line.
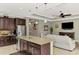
<point x="34" y="45"/>
<point x="36" y="51"/>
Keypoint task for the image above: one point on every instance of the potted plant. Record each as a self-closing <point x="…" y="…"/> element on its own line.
<point x="51" y="30"/>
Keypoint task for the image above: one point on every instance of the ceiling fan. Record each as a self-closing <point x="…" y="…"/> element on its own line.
<point x="62" y="15"/>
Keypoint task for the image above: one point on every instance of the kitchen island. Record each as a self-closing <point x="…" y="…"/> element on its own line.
<point x="35" y="45"/>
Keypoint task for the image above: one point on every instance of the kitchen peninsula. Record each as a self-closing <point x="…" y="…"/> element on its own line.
<point x="35" y="45"/>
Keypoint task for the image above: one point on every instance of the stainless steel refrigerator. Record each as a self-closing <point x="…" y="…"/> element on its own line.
<point x="20" y="32"/>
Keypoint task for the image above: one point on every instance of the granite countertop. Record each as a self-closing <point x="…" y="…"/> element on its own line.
<point x="34" y="39"/>
<point x="6" y="35"/>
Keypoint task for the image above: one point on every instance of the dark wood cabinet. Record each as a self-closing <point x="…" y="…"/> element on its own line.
<point x="23" y="45"/>
<point x="36" y="51"/>
<point x="33" y="48"/>
<point x="20" y="21"/>
<point x="10" y="23"/>
<point x="1" y="23"/>
<point x="7" y="40"/>
<point x="6" y="23"/>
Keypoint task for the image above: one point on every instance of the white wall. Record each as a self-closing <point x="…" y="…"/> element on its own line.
<point x="40" y="28"/>
<point x="59" y="29"/>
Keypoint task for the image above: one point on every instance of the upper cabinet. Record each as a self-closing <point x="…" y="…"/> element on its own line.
<point x="1" y="23"/>
<point x="6" y="23"/>
<point x="10" y="23"/>
<point x="20" y="21"/>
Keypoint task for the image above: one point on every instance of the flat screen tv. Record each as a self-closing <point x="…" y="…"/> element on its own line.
<point x="67" y="25"/>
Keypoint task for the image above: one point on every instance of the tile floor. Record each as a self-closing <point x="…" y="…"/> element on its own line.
<point x="58" y="51"/>
<point x="7" y="50"/>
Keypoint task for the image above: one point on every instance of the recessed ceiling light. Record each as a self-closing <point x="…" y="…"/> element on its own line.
<point x="36" y="7"/>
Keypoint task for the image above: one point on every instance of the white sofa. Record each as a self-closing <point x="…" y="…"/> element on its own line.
<point x="64" y="42"/>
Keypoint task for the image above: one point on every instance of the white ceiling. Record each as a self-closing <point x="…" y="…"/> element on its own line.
<point x="22" y="9"/>
<point x="27" y="9"/>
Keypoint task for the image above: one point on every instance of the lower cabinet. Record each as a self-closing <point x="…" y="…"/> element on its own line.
<point x="23" y="45"/>
<point x="2" y="41"/>
<point x="7" y="40"/>
<point x="29" y="47"/>
<point x="33" y="48"/>
<point x="36" y="51"/>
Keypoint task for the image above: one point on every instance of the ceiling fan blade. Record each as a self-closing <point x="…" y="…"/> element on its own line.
<point x="67" y="15"/>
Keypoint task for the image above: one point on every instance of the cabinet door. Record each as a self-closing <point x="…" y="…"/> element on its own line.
<point x="34" y="48"/>
<point x="36" y="51"/>
<point x="1" y="23"/>
<point x="20" y="22"/>
<point x="23" y="45"/>
<point x="23" y="21"/>
<point x="6" y="23"/>
<point x="11" y="24"/>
